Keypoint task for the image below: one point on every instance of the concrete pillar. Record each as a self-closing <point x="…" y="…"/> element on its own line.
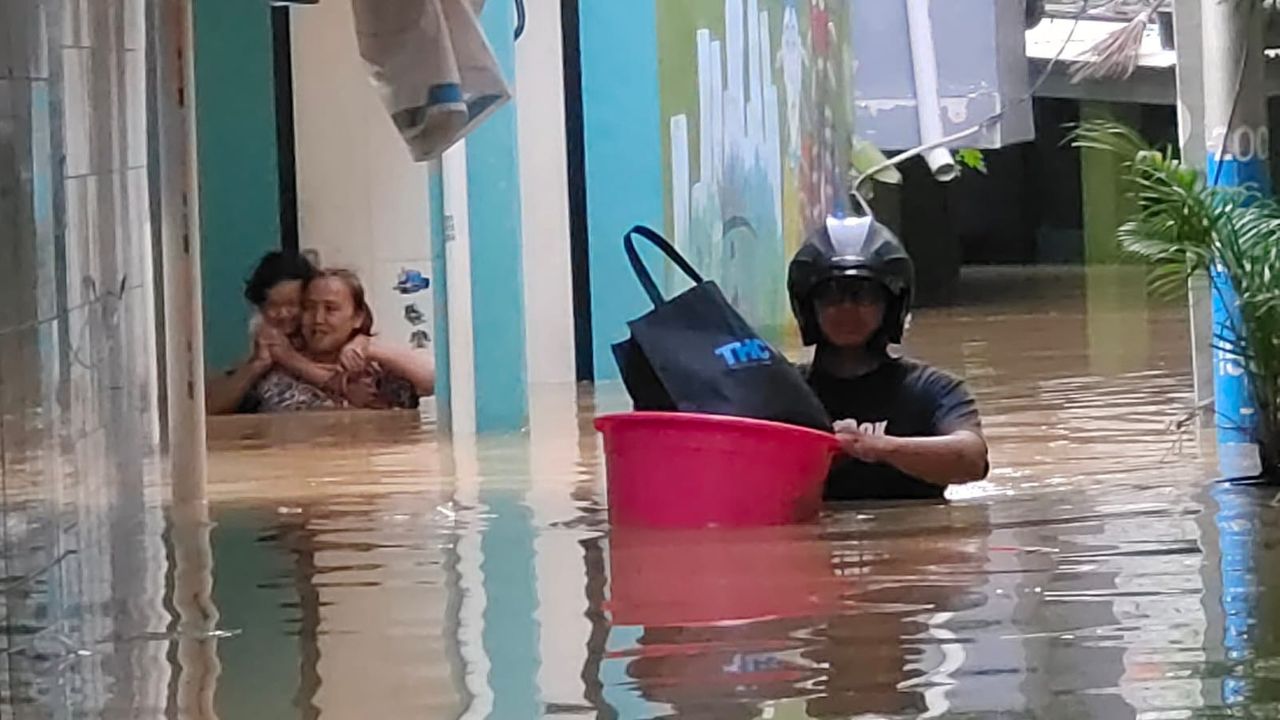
<point x="1237" y="145"/>
<point x="1237" y="140"/>
<point x="179" y="239"/>
<point x="78" y="371"/>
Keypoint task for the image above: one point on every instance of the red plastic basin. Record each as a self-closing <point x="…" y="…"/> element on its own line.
<point x="692" y="470"/>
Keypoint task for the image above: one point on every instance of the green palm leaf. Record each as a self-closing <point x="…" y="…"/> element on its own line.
<point x="1182" y="226"/>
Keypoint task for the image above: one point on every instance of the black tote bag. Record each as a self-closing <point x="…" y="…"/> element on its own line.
<point x="695" y="353"/>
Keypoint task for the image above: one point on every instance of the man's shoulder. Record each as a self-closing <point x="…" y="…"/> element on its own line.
<point x="928" y="377"/>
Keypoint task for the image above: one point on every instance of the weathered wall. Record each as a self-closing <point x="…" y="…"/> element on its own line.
<point x="78" y="386"/>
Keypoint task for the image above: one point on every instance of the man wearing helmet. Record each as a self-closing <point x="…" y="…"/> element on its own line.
<point x="908" y="430"/>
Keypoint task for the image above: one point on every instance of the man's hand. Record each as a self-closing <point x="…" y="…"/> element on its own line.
<point x="863" y="446"/>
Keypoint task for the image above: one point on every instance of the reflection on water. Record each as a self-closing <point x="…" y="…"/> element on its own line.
<point x="353" y="567"/>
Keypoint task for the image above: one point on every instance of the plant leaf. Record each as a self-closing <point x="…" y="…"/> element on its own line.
<point x="972" y="158"/>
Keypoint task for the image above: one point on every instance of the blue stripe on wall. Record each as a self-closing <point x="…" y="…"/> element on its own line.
<point x="440" y="300"/>
<point x="497" y="287"/>
<point x="1236" y="415"/>
<point x="623" y="138"/>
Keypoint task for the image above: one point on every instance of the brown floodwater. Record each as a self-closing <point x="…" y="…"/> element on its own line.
<point x="359" y="566"/>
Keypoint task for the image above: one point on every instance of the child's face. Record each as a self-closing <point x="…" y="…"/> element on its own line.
<point x="283" y="307"/>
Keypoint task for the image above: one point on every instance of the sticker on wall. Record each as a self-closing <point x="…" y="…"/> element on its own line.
<point x="414" y="316"/>
<point x="411" y="282"/>
<point x="402" y="300"/>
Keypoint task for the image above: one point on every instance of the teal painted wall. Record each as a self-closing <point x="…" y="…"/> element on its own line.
<point x="497" y="265"/>
<point x="238" y="170"/>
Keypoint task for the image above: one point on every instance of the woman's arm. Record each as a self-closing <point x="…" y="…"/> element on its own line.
<point x="410" y="364"/>
<point x="224" y="393"/>
<point x="952" y="459"/>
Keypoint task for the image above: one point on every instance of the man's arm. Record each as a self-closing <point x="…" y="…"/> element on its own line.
<point x="956" y="452"/>
<point x="952" y="459"/>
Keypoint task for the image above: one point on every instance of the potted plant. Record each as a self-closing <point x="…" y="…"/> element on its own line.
<point x="1182" y="226"/>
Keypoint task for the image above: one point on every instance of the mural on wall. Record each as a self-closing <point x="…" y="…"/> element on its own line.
<point x="756" y="101"/>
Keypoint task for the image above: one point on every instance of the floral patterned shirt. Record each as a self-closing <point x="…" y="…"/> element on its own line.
<point x="373" y="389"/>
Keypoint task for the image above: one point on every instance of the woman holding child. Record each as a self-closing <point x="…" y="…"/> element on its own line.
<point x="314" y="348"/>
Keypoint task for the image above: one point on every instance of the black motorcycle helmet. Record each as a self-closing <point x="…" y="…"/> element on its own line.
<point x="852" y="247"/>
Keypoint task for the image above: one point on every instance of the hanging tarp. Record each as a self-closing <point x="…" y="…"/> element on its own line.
<point x="433" y="67"/>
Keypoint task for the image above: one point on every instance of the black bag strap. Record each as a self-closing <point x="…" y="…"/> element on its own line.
<point x="642" y="272"/>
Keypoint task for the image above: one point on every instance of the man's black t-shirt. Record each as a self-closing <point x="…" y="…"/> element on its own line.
<point x="901" y="398"/>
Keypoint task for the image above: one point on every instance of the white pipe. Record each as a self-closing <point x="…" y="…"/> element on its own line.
<point x="924" y="66"/>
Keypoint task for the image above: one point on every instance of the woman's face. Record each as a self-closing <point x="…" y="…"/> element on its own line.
<point x="330" y="317"/>
<point x="282" y="309"/>
<point x="850" y="311"/>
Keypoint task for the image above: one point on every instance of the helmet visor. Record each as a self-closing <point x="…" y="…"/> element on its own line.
<point x="850" y="289"/>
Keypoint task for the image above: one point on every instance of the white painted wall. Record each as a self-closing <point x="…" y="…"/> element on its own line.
<point x="544" y="185"/>
<point x="362" y="203"/>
